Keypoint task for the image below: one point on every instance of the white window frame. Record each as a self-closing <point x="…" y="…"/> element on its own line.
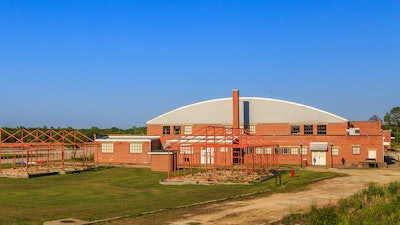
<point x="223" y="149"/>
<point x="107" y="147"/>
<point x="186" y="149"/>
<point x="136" y="147"/>
<point x="303" y="150"/>
<point x="252" y="129"/>
<point x="268" y="150"/>
<point x="335" y="150"/>
<point x="187" y="129"/>
<point x="228" y="129"/>
<point x="356" y="150"/>
<point x="285" y="150"/>
<point x="294" y="151"/>
<point x="259" y="150"/>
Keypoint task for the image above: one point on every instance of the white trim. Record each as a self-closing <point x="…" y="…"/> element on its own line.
<point x="121" y="138"/>
<point x="241" y="99"/>
<point x="319" y="146"/>
<point x="187" y="106"/>
<point x="160" y="153"/>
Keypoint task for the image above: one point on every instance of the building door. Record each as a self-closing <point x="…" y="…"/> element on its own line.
<point x="207" y="156"/>
<point x="371" y="154"/>
<point x="319" y="158"/>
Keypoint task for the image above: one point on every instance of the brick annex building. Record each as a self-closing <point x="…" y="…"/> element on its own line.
<point x="296" y="133"/>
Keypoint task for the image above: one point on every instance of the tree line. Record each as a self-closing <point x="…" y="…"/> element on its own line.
<point x="391" y="121"/>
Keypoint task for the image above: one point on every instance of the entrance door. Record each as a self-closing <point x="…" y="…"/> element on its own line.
<point x="207" y="156"/>
<point x="319" y="158"/>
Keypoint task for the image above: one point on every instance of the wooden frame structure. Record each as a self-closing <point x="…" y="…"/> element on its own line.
<point x="223" y="155"/>
<point x="43" y="151"/>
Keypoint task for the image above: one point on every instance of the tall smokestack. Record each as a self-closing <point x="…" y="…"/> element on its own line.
<point x="235" y="101"/>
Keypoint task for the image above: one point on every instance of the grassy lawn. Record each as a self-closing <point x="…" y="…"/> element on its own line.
<point x="115" y="192"/>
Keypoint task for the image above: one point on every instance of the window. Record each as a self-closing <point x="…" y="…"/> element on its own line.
<point x="356" y="150"/>
<point x="186" y="149"/>
<point x="135" y="147"/>
<point x="308" y="129"/>
<point x="335" y="150"/>
<point x="177" y="129"/>
<point x="223" y="149"/>
<point x="294" y="151"/>
<point x="107" y="147"/>
<point x="166" y="130"/>
<point x="228" y="129"/>
<point x="303" y="150"/>
<point x="321" y="129"/>
<point x="285" y="151"/>
<point x="276" y="150"/>
<point x="188" y="130"/>
<point x="295" y="129"/>
<point x="268" y="150"/>
<point x="259" y="150"/>
<point x="252" y="129"/>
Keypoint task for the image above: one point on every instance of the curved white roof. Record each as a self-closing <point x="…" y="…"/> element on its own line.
<point x="261" y="110"/>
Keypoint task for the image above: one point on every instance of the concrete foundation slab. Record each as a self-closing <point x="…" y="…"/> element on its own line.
<point x="67" y="221"/>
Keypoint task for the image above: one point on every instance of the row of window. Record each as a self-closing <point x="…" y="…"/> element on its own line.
<point x="295" y="129"/>
<point x="134" y="147"/>
<point x="177" y="129"/>
<point x="309" y="129"/>
<point x="187" y="149"/>
<point x="187" y="129"/>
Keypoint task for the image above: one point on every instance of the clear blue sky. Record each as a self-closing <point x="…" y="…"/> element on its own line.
<point x="121" y="63"/>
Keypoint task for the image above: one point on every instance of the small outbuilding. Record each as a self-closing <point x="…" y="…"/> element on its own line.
<point x="126" y="149"/>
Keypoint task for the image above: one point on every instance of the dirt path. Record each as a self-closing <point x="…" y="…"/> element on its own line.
<point x="267" y="209"/>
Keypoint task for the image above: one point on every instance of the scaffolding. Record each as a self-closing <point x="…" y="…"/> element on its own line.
<point x="220" y="154"/>
<point x="25" y="153"/>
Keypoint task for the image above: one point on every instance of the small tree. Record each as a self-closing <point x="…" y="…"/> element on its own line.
<point x="395" y="119"/>
<point x="374" y="118"/>
<point x="388" y="121"/>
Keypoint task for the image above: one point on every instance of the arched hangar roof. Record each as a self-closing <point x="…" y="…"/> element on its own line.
<point x="261" y="110"/>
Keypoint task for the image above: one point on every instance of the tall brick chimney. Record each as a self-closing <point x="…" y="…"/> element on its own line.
<point x="235" y="101"/>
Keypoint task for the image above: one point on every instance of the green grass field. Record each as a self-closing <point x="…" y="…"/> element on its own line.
<point x="112" y="192"/>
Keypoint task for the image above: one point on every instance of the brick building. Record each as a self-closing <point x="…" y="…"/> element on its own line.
<point x="126" y="149"/>
<point x="294" y="132"/>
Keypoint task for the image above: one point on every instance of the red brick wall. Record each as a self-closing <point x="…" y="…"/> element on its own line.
<point x="162" y="162"/>
<point x="274" y="129"/>
<point x="121" y="154"/>
<point x="154" y="129"/>
<point x="368" y="127"/>
<point x="336" y="128"/>
<point x="280" y="134"/>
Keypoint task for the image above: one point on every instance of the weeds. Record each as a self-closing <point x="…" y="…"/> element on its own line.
<point x="375" y="205"/>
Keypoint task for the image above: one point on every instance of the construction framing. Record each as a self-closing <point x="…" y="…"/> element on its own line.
<point x="219" y="154"/>
<point x="26" y="153"/>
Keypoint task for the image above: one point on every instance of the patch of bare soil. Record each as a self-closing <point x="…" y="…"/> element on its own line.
<point x="272" y="208"/>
